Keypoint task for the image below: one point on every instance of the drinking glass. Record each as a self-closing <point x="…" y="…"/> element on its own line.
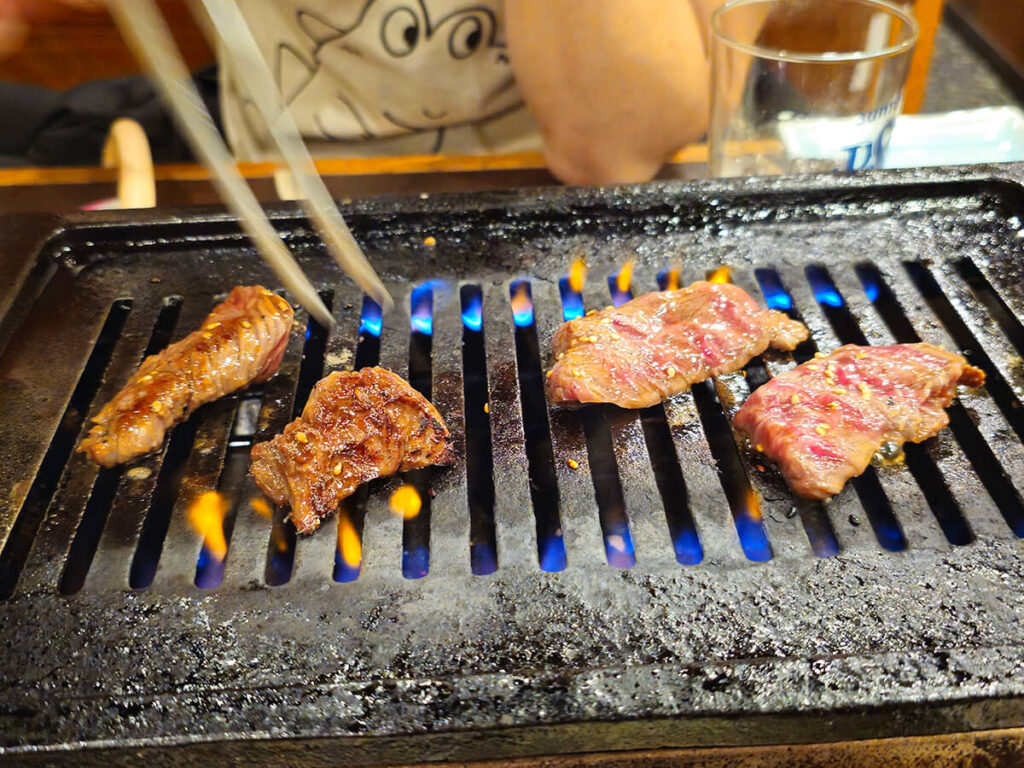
<point x="802" y="86"/>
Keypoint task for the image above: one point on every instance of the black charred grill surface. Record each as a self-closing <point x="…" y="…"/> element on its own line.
<point x="895" y="608"/>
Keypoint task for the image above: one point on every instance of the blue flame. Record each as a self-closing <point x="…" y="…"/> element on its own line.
<point x="371" y="319"/>
<point x="415" y="562"/>
<point x="552" y="554"/>
<point x="473" y="309"/>
<point x="343" y="572"/>
<point x="482" y="558"/>
<point x="824" y="289"/>
<point x="775" y="294"/>
<point x="663" y="279"/>
<point x="522" y="303"/>
<point x="753" y="538"/>
<point x="209" y="570"/>
<point x="869" y="279"/>
<point x="687" y="547"/>
<point x="421" y="306"/>
<point x="888" y="533"/>
<point x="618" y="546"/>
<point x="618" y="297"/>
<point x="572" y="301"/>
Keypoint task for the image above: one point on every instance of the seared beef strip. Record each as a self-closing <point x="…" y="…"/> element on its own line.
<point x="240" y="343"/>
<point x="823" y="421"/>
<point x="356" y="426"/>
<point x="662" y="343"/>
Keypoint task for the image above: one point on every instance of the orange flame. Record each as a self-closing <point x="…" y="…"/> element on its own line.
<point x="349" y="546"/>
<point x="625" y="277"/>
<point x="673" y="281"/>
<point x="261" y="507"/>
<point x="577" y="275"/>
<point x="521" y="302"/>
<point x="753" y="505"/>
<point x="406" y="502"/>
<point x="206" y="516"/>
<point x="720" y="275"/>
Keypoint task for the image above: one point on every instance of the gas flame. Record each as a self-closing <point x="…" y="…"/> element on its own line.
<point x="522" y="304"/>
<point x="206" y="516"/>
<point x="720" y="275"/>
<point x="625" y="277"/>
<point x="406" y="502"/>
<point x="349" y="546"/>
<point x="673" y="279"/>
<point x="261" y="507"/>
<point x="577" y="274"/>
<point x="753" y="505"/>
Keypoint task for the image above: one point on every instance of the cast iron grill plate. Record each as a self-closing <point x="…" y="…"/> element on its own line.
<point x="895" y="608"/>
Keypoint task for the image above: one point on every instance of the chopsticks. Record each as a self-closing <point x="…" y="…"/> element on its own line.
<point x="143" y="28"/>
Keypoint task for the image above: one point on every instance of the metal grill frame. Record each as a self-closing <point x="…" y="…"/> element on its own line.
<point x="866" y="643"/>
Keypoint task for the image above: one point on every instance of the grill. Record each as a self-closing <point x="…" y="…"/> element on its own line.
<point x="667" y="591"/>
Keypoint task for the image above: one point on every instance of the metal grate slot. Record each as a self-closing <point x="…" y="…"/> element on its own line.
<point x="997" y="308"/>
<point x="158" y="519"/>
<point x="19" y="541"/>
<point x="812" y="515"/>
<point x="280" y="557"/>
<point x="483" y="552"/>
<point x="746" y="510"/>
<point x="348" y="551"/>
<point x="873" y="499"/>
<point x="930" y="481"/>
<point x="416" y="529"/>
<point x="515" y="521"/>
<point x="537" y="431"/>
<point x="87" y="536"/>
<point x="930" y="463"/>
<point x="936" y="290"/>
<point x="970" y="447"/>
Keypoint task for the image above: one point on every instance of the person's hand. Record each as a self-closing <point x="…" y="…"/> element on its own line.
<point x="18" y="16"/>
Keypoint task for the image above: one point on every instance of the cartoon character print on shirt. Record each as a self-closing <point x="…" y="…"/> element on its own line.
<point x="397" y="71"/>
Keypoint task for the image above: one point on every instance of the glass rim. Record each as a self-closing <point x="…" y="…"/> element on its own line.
<point x="829" y="57"/>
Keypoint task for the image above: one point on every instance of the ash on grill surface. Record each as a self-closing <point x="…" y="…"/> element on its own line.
<point x="894" y="608"/>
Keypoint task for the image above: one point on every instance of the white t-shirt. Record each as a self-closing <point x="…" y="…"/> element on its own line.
<point x="382" y="77"/>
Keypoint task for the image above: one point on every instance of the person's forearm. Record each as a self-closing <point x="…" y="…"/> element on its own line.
<point x="616" y="87"/>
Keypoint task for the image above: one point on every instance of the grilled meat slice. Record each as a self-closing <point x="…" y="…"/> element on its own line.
<point x="661" y="343"/>
<point x="824" y="420"/>
<point x="240" y="343"/>
<point x="357" y="426"/>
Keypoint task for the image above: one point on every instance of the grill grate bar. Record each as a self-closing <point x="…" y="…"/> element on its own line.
<point x="316" y="556"/>
<point x="649" y="515"/>
<point x="874" y="501"/>
<point x="906" y="498"/>
<point x="112" y="563"/>
<point x="449" y="523"/>
<point x="779" y="516"/>
<point x="176" y="559"/>
<point x="997" y="307"/>
<point x="971" y="328"/>
<point x="382" y="531"/>
<point x="582" y="534"/>
<point x="59" y="529"/>
<point x="514" y="524"/>
<point x="931" y="464"/>
<point x="16" y="540"/>
<point x="769" y="364"/>
<point x="846" y="514"/>
<point x="246" y="561"/>
<point x="895" y="289"/>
